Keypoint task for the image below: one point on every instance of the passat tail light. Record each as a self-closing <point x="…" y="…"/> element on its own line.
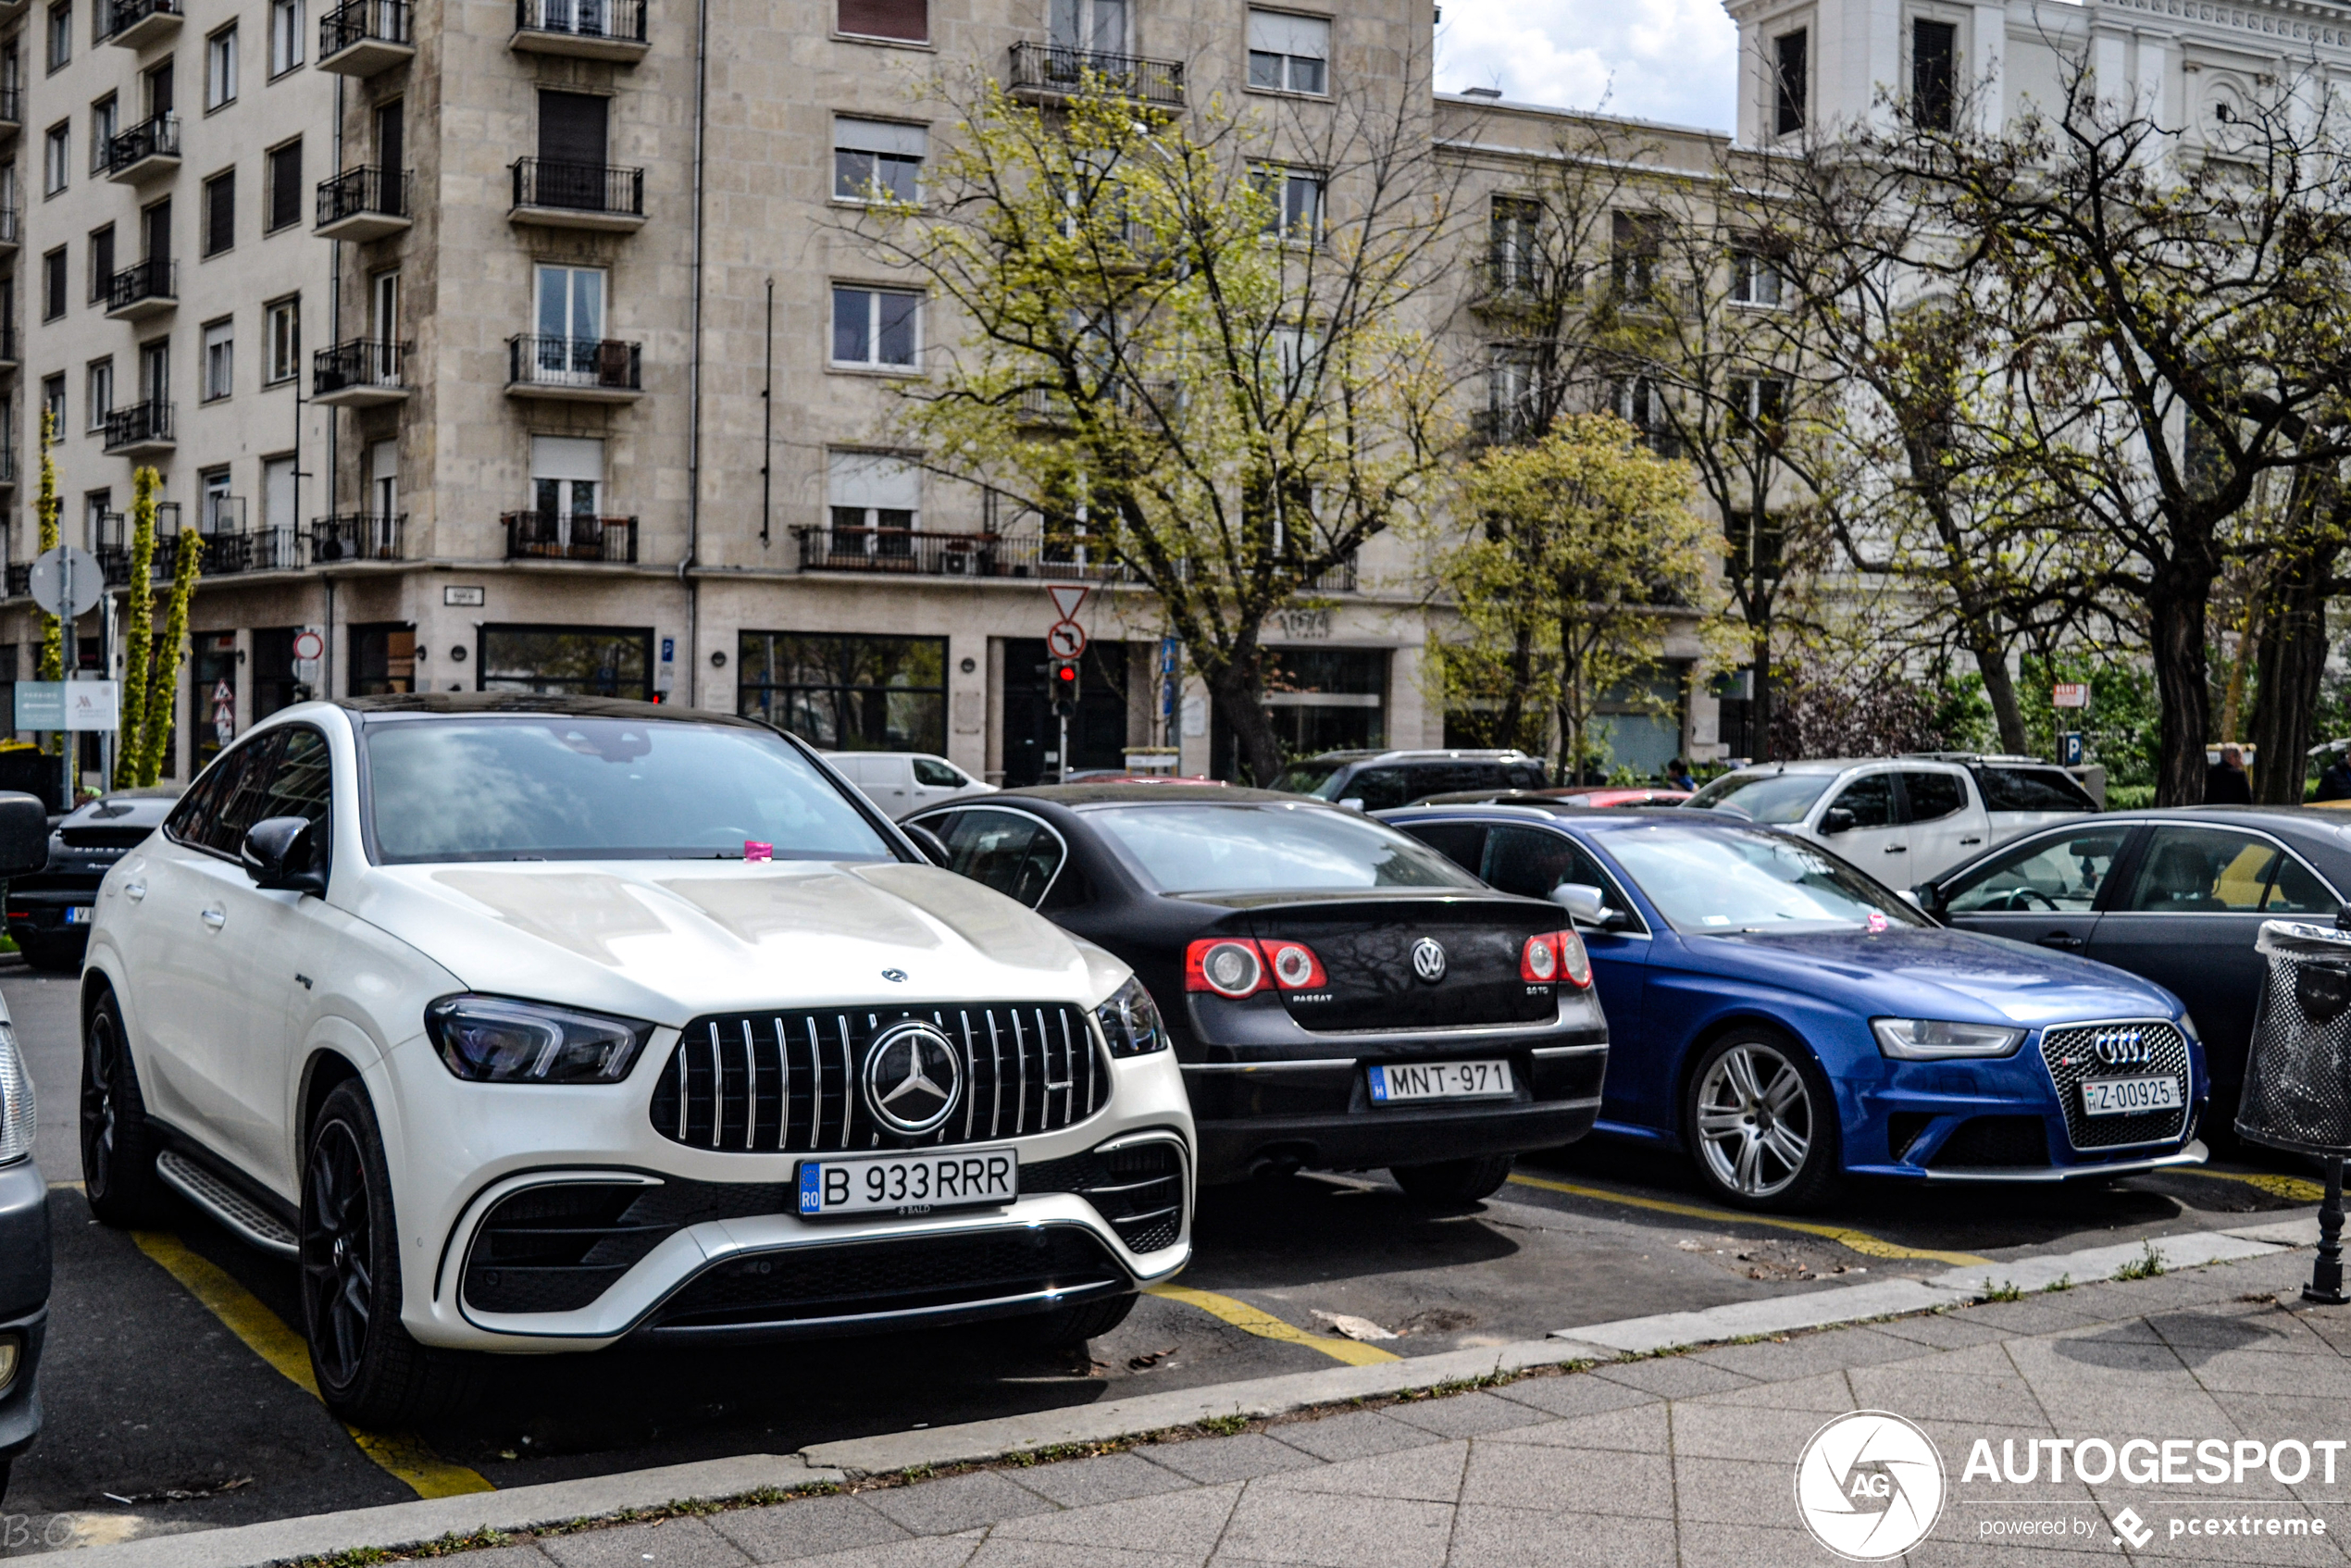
<point x="1295" y="966"/>
<point x="1555" y="955"/>
<point x="1228" y="965"/>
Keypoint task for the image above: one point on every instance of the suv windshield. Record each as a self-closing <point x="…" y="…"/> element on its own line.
<point x="1308" y="777"/>
<point x="1719" y="880"/>
<point x="600" y="789"/>
<point x="1205" y="849"/>
<point x="1763" y="797"/>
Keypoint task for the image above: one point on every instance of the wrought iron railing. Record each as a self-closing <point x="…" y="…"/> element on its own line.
<point x="579" y="187"/>
<point x="363" y="190"/>
<point x="124" y="15"/>
<point x="154" y="138"/>
<point x="362" y="21"/>
<point x="919" y="553"/>
<point x="154" y="279"/>
<point x="586" y="364"/>
<point x="566" y="536"/>
<point x="363" y="362"/>
<point x="272" y="549"/>
<point x="1050" y="67"/>
<point x="139" y="424"/>
<point x="356" y="536"/>
<point x="621" y="20"/>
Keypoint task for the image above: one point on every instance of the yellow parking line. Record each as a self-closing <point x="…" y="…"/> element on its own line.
<point x="1860" y="1242"/>
<point x="243" y="1313"/>
<point x="2294" y="1189"/>
<point x="1265" y="1325"/>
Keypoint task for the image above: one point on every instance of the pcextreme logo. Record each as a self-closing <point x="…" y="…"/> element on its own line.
<point x="1869" y="1486"/>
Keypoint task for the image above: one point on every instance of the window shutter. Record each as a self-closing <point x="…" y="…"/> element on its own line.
<point x="1274" y="34"/>
<point x="285" y="185"/>
<point x="220" y="213"/>
<point x="879" y="136"/>
<point x="572" y="126"/>
<point x="908" y="20"/>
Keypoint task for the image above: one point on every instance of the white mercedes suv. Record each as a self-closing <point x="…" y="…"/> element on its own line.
<point x="528" y="1023"/>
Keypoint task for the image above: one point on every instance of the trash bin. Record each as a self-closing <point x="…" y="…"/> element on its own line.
<point x="2298" y="1073"/>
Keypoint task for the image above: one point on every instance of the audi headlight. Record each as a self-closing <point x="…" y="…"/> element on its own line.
<point x="16" y="1100"/>
<point x="1932" y="1040"/>
<point x="497" y="1039"/>
<point x="1130" y="1022"/>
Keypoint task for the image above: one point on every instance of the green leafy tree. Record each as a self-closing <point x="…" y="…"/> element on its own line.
<point x="152" y="665"/>
<point x="44" y="510"/>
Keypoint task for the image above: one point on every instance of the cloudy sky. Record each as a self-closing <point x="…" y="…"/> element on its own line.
<point x="1672" y="61"/>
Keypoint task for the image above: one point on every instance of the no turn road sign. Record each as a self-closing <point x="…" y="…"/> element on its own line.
<point x="1065" y="640"/>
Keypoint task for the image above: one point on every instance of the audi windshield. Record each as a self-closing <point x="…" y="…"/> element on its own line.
<point x="539" y="788"/>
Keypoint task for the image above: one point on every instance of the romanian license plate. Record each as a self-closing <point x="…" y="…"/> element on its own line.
<point x="908" y="1183"/>
<point x="79" y="913"/>
<point x="2121" y="1097"/>
<point x="1440" y="1081"/>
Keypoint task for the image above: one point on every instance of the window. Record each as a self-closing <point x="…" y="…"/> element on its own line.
<point x="106" y="120"/>
<point x="571" y="304"/>
<point x="285" y="185"/>
<point x="1530" y="861"/>
<point x="2031" y="788"/>
<point x="875" y="502"/>
<point x="284" y="320"/>
<point x="220" y="212"/>
<point x="1090" y="27"/>
<point x="567" y="480"/>
<point x="60" y="36"/>
<point x="907" y="21"/>
<point x="1759" y="406"/>
<point x="221" y="67"/>
<point x="2219" y="871"/>
<point x="1008" y="850"/>
<point x="1869" y="799"/>
<point x="1755" y="278"/>
<point x="1635" y="241"/>
<point x="285" y="35"/>
<point x="1791" y="84"/>
<point x="2058" y="874"/>
<point x="55" y="169"/>
<point x="872" y="157"/>
<point x="1513" y="233"/>
<point x="1637" y="401"/>
<point x="155" y="370"/>
<point x="97" y="383"/>
<point x="214" y="513"/>
<point x="1289" y="53"/>
<point x="1295" y="197"/>
<point x="876" y="327"/>
<point x="53" y="284"/>
<point x="53" y="404"/>
<point x="1935" y="64"/>
<point x="1934" y="796"/>
<point x="101" y="263"/>
<point x="584" y="661"/>
<point x="1512" y="387"/>
<point x="847" y="693"/>
<point x="220" y="359"/>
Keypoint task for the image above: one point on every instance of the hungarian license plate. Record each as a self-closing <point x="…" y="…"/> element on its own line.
<point x="1440" y="1081"/>
<point x="908" y="1183"/>
<point x="2121" y="1097"/>
<point x="79" y="913"/>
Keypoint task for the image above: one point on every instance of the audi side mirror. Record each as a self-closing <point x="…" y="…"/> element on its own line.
<point x="1837" y="819"/>
<point x="280" y="853"/>
<point x="934" y="848"/>
<point x="1585" y="904"/>
<point x="24" y="834"/>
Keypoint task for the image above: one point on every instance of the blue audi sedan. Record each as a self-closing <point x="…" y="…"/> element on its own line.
<point x="1787" y="1022"/>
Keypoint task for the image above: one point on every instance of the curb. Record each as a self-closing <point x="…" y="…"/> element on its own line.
<point x="524" y="1508"/>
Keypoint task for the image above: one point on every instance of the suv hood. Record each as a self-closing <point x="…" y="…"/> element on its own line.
<point x="668" y="941"/>
<point x="1920" y="973"/>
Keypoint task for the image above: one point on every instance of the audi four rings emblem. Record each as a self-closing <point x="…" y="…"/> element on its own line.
<point x="1428" y="959"/>
<point x="912" y="1077"/>
<point x="2122" y="1047"/>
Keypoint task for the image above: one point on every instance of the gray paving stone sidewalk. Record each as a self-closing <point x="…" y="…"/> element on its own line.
<point x="1689" y="1460"/>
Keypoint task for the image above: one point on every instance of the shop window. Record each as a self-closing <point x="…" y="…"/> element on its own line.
<point x="570" y="661"/>
<point x="847" y="693"/>
<point x="383" y="659"/>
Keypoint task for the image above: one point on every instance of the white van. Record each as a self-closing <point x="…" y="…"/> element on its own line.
<point x="901" y="782"/>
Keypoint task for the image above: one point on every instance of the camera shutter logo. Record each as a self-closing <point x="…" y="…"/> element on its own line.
<point x="1869" y="1486"/>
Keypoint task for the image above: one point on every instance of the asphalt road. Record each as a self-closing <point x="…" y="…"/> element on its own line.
<point x="173" y="1400"/>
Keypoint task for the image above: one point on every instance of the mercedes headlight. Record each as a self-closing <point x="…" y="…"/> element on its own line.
<point x="1932" y="1040"/>
<point x="16" y="1100"/>
<point x="498" y="1040"/>
<point x="1130" y="1022"/>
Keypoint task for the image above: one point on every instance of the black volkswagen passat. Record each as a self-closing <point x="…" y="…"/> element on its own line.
<point x="1349" y="998"/>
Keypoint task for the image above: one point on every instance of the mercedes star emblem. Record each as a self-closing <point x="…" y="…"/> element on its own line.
<point x="912" y="1077"/>
<point x="1428" y="959"/>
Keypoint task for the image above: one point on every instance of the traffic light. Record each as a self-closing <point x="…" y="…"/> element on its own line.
<point x="1061" y="676"/>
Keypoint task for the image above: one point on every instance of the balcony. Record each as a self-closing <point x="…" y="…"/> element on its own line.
<point x="20" y="580"/>
<point x="365" y="203"/>
<point x="362" y="373"/>
<point x="356" y="536"/>
<point x="143" y="429"/>
<point x="912" y="553"/>
<point x="11" y="114"/>
<point x="135" y="24"/>
<point x="143" y="289"/>
<point x="11" y="231"/>
<point x="364" y="37"/>
<point x="564" y="536"/>
<point x="593" y="29"/>
<point x="1047" y="72"/>
<point x="8" y="468"/>
<point x="578" y="195"/>
<point x="573" y="369"/>
<point x="228" y="550"/>
<point x="9" y="360"/>
<point x="149" y="150"/>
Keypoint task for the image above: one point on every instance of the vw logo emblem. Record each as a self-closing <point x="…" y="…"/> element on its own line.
<point x="2122" y="1046"/>
<point x="1428" y="959"/>
<point x="912" y="1077"/>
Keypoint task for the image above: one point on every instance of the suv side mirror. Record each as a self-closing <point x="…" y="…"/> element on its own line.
<point x="1837" y="819"/>
<point x="280" y="854"/>
<point x="1585" y="904"/>
<point x="934" y="848"/>
<point x="1352" y="802"/>
<point x="24" y="834"/>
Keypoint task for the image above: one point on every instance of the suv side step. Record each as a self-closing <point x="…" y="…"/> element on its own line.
<point x="253" y="1225"/>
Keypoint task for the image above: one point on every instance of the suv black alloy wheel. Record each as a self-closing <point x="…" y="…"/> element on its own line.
<point x="118" y="1145"/>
